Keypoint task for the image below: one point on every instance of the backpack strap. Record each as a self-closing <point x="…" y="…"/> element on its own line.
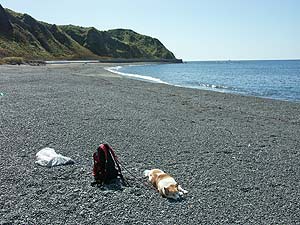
<point x="115" y="158"/>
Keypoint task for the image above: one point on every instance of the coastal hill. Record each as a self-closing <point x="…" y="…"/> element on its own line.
<point x="23" y="36"/>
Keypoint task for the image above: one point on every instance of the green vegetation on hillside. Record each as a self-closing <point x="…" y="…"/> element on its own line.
<point x="150" y="47"/>
<point x="100" y="42"/>
<point x="23" y="36"/>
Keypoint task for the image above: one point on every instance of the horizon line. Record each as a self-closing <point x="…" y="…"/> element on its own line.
<point x="232" y="60"/>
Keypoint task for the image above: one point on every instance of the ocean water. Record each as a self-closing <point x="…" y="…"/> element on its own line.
<point x="275" y="79"/>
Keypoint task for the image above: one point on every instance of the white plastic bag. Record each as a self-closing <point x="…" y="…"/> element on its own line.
<point x="49" y="158"/>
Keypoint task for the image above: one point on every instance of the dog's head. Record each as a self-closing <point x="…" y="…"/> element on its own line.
<point x="172" y="192"/>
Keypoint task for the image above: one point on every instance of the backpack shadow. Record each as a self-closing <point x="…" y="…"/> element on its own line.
<point x="112" y="185"/>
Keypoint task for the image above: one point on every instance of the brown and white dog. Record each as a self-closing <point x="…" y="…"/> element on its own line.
<point x="165" y="184"/>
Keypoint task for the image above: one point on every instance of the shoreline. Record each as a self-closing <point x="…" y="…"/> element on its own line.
<point x="105" y="69"/>
<point x="114" y="69"/>
<point x="102" y="70"/>
<point x="237" y="156"/>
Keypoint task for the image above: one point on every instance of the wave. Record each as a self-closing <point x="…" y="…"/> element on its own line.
<point x="116" y="69"/>
<point x="196" y="84"/>
<point x="216" y="86"/>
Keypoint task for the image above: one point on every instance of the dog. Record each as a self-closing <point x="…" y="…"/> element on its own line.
<point x="165" y="184"/>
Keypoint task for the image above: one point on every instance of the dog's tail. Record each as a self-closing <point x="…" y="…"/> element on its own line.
<point x="146" y="173"/>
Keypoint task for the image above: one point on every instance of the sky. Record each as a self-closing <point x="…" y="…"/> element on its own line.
<point x="191" y="29"/>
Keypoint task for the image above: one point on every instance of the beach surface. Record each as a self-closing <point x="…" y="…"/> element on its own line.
<point x="237" y="156"/>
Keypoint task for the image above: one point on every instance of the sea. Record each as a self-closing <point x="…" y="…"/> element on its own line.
<point x="274" y="79"/>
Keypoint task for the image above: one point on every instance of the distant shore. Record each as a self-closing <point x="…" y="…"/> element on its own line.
<point x="237" y="156"/>
<point x="116" y="61"/>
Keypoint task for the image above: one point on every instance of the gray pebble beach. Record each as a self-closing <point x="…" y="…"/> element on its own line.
<point x="238" y="156"/>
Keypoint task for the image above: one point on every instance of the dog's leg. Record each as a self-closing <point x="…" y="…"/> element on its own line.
<point x="181" y="190"/>
<point x="162" y="192"/>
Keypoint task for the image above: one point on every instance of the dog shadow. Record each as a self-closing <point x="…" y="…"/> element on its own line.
<point x="173" y="201"/>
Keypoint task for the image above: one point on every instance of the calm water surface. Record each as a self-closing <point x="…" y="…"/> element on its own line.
<point x="276" y="79"/>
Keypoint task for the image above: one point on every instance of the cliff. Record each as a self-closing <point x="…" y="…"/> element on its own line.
<point x="23" y="36"/>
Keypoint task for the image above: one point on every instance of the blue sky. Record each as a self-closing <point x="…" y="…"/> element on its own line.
<point x="191" y="29"/>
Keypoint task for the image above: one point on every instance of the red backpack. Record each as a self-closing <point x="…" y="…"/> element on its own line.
<point x="106" y="165"/>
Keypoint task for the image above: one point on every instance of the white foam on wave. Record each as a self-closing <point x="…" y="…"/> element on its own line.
<point x="137" y="76"/>
<point x="216" y="86"/>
